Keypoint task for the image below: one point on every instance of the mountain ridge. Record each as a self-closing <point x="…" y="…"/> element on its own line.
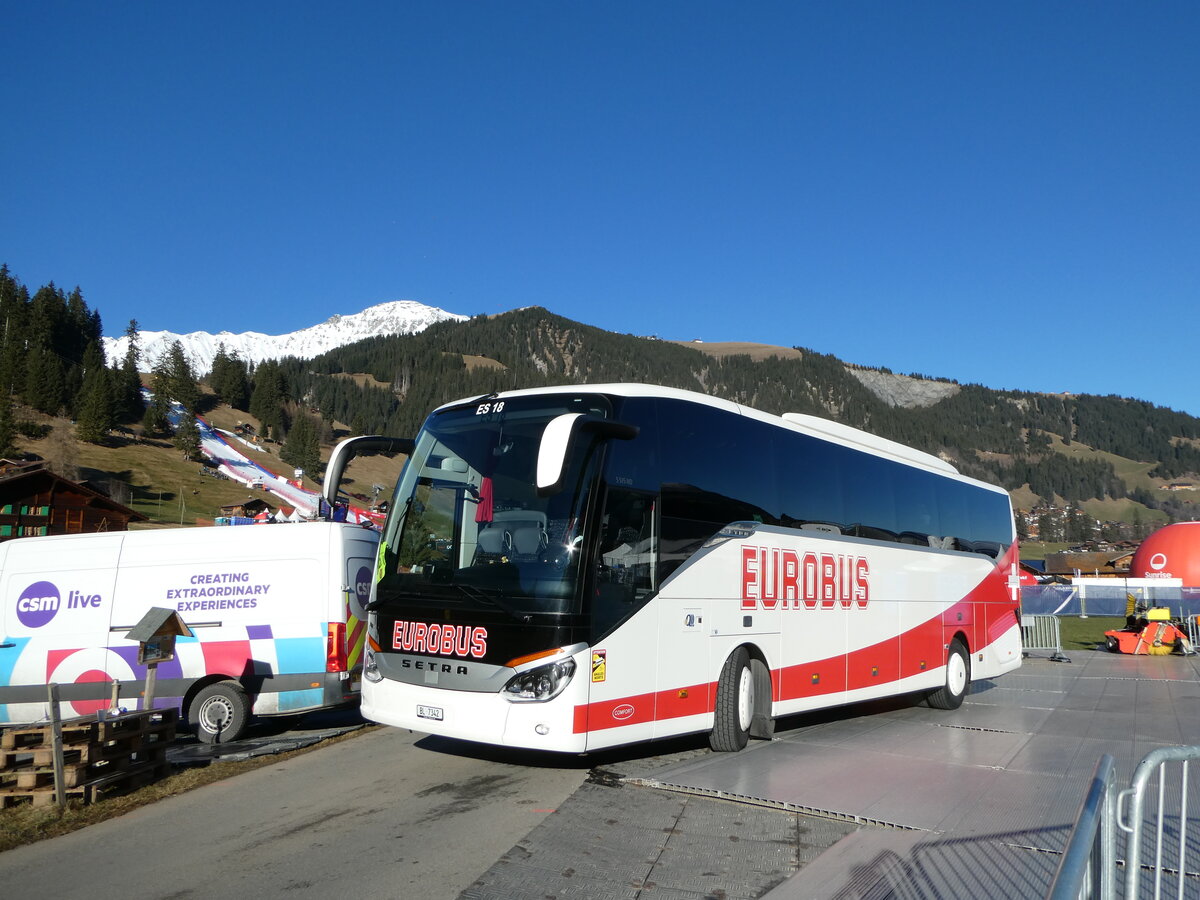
<point x="1001" y="436"/>
<point x="200" y="347"/>
<point x="406" y="317"/>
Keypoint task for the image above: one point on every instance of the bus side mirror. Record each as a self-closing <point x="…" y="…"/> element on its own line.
<point x="358" y="446"/>
<point x="560" y="434"/>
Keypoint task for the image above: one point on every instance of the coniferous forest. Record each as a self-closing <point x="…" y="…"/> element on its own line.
<point x="1003" y="437"/>
<point x="51" y="362"/>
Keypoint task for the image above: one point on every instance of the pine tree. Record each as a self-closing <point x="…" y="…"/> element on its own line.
<point x="302" y="448"/>
<point x="157" y="418"/>
<point x="128" y="405"/>
<point x="94" y="411"/>
<point x="8" y="429"/>
<point x="220" y="367"/>
<point x="14" y="312"/>
<point x="181" y="379"/>
<point x="187" y="437"/>
<point x="43" y="388"/>
<point x="267" y="399"/>
<point x="229" y="379"/>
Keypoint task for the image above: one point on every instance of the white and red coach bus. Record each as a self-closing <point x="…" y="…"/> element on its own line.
<point x="575" y="568"/>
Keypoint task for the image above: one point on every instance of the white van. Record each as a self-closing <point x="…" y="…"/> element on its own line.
<point x="277" y="613"/>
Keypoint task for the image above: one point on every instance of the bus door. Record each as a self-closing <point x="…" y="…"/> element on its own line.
<point x="624" y="624"/>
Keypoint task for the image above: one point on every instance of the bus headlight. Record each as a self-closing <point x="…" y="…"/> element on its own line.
<point x="540" y="684"/>
<point x="370" y="669"/>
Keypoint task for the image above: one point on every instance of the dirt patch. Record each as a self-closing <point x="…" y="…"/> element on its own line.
<point x="756" y="352"/>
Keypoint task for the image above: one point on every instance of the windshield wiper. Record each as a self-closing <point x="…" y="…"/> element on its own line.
<point x="474" y="594"/>
<point x="494" y="600"/>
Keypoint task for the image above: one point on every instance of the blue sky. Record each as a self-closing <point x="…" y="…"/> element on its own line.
<point x="997" y="193"/>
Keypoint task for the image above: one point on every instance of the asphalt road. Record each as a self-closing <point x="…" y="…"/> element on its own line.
<point x="385" y="814"/>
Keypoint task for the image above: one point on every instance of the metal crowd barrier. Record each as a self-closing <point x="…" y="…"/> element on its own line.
<point x="1041" y="633"/>
<point x="1173" y="848"/>
<point x="1162" y="837"/>
<point x="1088" y="868"/>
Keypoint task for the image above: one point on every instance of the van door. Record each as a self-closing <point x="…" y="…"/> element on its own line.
<point x="359" y="574"/>
<point x="57" y="595"/>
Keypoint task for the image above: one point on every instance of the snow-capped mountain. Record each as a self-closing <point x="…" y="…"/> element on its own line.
<point x="396" y="317"/>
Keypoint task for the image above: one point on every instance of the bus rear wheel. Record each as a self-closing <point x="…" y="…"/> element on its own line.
<point x="736" y="698"/>
<point x="958" y="678"/>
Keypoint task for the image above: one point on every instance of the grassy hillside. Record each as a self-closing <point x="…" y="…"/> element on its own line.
<point x="152" y="477"/>
<point x="148" y="476"/>
<point x="1135" y="475"/>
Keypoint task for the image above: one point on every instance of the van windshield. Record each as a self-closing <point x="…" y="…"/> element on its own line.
<point x="466" y="528"/>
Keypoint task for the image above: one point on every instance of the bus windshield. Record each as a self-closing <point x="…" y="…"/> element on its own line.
<point x="466" y="528"/>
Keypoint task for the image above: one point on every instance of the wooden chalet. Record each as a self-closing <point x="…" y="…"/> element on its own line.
<point x="34" y="501"/>
<point x="247" y="509"/>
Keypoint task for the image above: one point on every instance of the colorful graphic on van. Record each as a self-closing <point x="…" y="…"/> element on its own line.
<point x="92" y="664"/>
<point x="356" y="616"/>
<point x="247" y="658"/>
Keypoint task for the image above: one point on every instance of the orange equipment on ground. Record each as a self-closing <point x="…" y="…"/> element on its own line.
<point x="1148" y="632"/>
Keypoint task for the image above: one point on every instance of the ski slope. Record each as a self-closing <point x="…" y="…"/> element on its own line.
<point x="219" y="447"/>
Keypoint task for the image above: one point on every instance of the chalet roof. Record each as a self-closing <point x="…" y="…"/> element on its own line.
<point x="10" y="467"/>
<point x="17" y="477"/>
<point x="1105" y="563"/>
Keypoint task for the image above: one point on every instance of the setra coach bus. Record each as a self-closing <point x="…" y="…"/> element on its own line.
<point x="576" y="568"/>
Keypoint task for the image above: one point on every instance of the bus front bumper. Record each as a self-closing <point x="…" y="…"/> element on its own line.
<point x="473" y="716"/>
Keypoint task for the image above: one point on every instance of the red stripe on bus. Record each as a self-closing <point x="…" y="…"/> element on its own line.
<point x="669" y="704"/>
<point x="914" y="651"/>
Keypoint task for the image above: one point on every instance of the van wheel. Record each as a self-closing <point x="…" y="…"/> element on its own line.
<point x="958" y="678"/>
<point x="735" y="704"/>
<point x="220" y="712"/>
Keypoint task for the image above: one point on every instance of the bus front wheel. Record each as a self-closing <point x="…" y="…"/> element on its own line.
<point x="735" y="704"/>
<point x="958" y="678"/>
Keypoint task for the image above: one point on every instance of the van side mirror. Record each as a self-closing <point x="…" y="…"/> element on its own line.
<point x="561" y="434"/>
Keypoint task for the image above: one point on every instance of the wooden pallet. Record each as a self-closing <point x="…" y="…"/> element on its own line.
<point x="99" y="757"/>
<point x="118" y="783"/>
<point x="27" y="736"/>
<point x="77" y="774"/>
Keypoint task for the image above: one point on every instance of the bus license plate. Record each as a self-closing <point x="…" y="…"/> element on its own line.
<point x="429" y="712"/>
